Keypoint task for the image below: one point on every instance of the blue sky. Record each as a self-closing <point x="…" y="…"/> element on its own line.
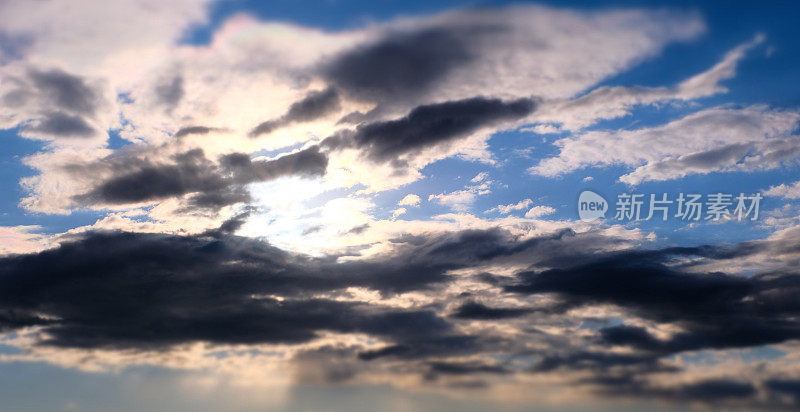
<point x="353" y="205"/>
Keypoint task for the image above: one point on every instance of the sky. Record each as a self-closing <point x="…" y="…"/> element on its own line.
<point x="382" y="205"/>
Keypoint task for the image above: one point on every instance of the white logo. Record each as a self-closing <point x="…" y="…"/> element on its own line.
<point x="591" y="206"/>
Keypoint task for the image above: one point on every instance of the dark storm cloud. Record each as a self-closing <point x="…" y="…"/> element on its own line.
<point x="126" y="290"/>
<point x="629" y="335"/>
<point x="137" y="290"/>
<point x="716" y="310"/>
<point x="713" y="390"/>
<point x="61" y="124"/>
<point x="191" y="172"/>
<point x="467" y="368"/>
<point x="785" y="388"/>
<point x="11" y="319"/>
<point x="430" y="125"/>
<point x="216" y="199"/>
<point x="615" y="374"/>
<point x="141" y="290"/>
<point x="427" y="347"/>
<point x="599" y="362"/>
<point x="68" y="92"/>
<point x="400" y="65"/>
<point x="475" y="310"/>
<point x="307" y="162"/>
<point x="716" y="392"/>
<point x="315" y="105"/>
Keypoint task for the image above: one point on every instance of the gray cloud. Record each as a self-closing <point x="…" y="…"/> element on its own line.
<point x="191" y="172"/>
<point x="430" y="125"/>
<point x="189" y="130"/>
<point x="143" y="290"/>
<point x="213" y="186"/>
<point x="169" y="92"/>
<point x="315" y="105"/>
<point x="67" y="91"/>
<point x="54" y="103"/>
<point x="307" y="162"/>
<point x="13" y="46"/>
<point x="716" y="310"/>
<point x="476" y="310"/>
<point x="62" y="125"/>
<point x="400" y="65"/>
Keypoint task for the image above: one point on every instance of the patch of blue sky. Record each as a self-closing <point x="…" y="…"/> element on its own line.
<point x="11" y="214"/>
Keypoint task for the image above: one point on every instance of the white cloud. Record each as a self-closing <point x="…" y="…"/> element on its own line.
<point x="479" y="177"/>
<point x="543" y="129"/>
<point x="614" y="102"/>
<point x="398" y="212"/>
<point x="409" y="200"/>
<point x="538" y="211"/>
<point x="506" y="209"/>
<point x="715" y="139"/>
<point x="96" y="35"/>
<point x="459" y="200"/>
<point x="790" y="191"/>
<point x="22" y="239"/>
<point x="131" y="48"/>
<point x="252" y="71"/>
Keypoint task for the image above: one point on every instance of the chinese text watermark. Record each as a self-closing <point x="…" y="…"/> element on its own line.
<point x="685" y="206"/>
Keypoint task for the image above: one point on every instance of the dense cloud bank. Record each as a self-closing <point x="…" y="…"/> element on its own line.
<point x="117" y="290"/>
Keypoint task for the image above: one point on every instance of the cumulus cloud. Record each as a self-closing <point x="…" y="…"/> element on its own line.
<point x="506" y="209"/>
<point x="532" y="213"/>
<point x="538" y="211"/>
<point x="790" y="191"/>
<point x="479" y="177"/>
<point x="398" y="212"/>
<point x="409" y="200"/>
<point x="458" y="200"/>
<point x="461" y="200"/>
